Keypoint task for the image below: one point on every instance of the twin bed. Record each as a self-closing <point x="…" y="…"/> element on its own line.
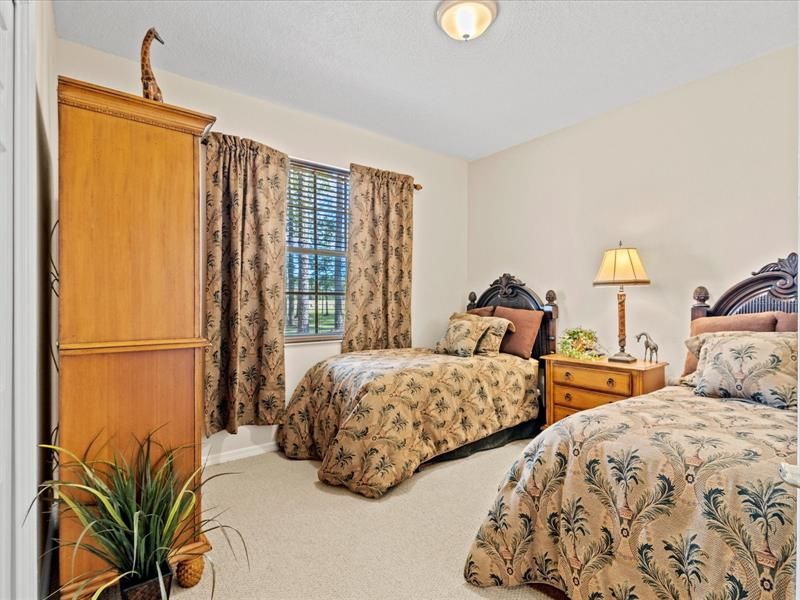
<point x="374" y="417"/>
<point x="670" y="495"/>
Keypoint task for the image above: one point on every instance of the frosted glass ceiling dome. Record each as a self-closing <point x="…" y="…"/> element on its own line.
<point x="466" y="19"/>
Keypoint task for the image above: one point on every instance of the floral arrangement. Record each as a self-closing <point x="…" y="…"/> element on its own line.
<point x="579" y="343"/>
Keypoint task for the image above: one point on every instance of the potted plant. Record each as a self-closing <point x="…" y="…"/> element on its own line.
<point x="135" y="515"/>
<point x="579" y="343"/>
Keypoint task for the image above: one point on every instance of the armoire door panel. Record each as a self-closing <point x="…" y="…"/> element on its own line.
<point x="128" y="230"/>
<point x="126" y="394"/>
<point x="121" y="395"/>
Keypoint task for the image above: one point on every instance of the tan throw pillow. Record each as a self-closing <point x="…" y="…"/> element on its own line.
<point x="786" y="321"/>
<point x="519" y="341"/>
<point x="757" y="367"/>
<point x="489" y="344"/>
<point x="765" y="321"/>
<point x="462" y="335"/>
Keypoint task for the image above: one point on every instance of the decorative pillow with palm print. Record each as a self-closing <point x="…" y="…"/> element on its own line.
<point x="757" y="367"/>
<point x="695" y="344"/>
<point x="463" y="333"/>
<point x="489" y="344"/>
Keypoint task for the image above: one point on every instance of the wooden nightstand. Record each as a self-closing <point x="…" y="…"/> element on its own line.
<point x="574" y="384"/>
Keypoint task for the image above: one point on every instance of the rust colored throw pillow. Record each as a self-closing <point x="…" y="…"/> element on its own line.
<point x="765" y="321"/>
<point x="526" y="327"/>
<point x="786" y="321"/>
<point x="484" y="311"/>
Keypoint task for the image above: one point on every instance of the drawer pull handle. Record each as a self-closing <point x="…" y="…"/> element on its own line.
<point x="567" y="375"/>
<point x="610" y="382"/>
<point x="568" y="397"/>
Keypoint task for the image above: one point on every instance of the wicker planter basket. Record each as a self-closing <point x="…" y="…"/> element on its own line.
<point x="147" y="590"/>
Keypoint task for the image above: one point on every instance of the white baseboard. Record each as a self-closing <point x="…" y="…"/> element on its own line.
<point x="218" y="458"/>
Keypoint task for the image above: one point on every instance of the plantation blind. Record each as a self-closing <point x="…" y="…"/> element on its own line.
<point x="317" y="220"/>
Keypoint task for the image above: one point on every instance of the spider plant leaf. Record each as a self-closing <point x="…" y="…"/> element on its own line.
<point x="79" y="592"/>
<point x="161" y="582"/>
<point x="108" y="584"/>
<point x="77" y="510"/>
<point x="135" y="536"/>
<point x="213" y="575"/>
<point x="100" y="496"/>
<point x="176" y="505"/>
<point x="86" y="469"/>
<point x="78" y="543"/>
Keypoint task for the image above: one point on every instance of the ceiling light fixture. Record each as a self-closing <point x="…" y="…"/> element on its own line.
<point x="466" y="19"/>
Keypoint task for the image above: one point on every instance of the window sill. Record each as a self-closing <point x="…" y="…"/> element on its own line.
<point x="311" y="340"/>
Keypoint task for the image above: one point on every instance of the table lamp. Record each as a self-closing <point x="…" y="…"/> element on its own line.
<point x="621" y="266"/>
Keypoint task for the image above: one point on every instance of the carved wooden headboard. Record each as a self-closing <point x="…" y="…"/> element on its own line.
<point x="509" y="291"/>
<point x="772" y="287"/>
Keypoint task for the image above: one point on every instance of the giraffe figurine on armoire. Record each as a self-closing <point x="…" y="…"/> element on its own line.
<point x="150" y="88"/>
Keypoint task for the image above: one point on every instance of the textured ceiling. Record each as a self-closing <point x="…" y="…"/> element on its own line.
<point x="386" y="67"/>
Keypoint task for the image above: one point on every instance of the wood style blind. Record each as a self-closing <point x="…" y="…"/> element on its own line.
<point x="317" y="220"/>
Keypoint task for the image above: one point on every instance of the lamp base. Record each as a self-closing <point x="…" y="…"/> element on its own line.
<point x="622" y="357"/>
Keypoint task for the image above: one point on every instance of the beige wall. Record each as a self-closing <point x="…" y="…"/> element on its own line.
<point x="439" y="210"/>
<point x="702" y="179"/>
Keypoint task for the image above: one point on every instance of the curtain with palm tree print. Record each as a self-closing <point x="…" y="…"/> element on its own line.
<point x="246" y="186"/>
<point x="378" y="290"/>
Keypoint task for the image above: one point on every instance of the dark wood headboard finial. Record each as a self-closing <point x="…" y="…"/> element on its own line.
<point x="772" y="288"/>
<point x="700" y="306"/>
<point x="473" y="298"/>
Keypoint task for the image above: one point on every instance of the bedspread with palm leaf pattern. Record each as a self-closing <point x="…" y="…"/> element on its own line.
<point x="373" y="417"/>
<point x="666" y="496"/>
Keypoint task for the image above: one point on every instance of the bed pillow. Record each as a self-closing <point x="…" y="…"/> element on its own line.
<point x="519" y="341"/>
<point x="753" y="366"/>
<point x="489" y="343"/>
<point x="695" y="346"/>
<point x="492" y="339"/>
<point x="786" y="321"/>
<point x="464" y="331"/>
<point x="765" y="321"/>
<point x="484" y="311"/>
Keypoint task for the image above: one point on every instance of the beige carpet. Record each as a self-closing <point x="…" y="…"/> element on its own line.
<point x="310" y="541"/>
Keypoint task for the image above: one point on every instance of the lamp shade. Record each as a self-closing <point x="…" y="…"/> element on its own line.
<point x="621" y="266"/>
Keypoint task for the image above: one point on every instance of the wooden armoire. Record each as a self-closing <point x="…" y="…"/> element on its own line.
<point x="130" y="303"/>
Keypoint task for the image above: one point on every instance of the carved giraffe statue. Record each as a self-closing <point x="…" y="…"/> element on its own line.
<point x="150" y="89"/>
<point x="650" y="347"/>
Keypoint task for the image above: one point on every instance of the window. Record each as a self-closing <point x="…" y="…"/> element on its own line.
<point x="317" y="212"/>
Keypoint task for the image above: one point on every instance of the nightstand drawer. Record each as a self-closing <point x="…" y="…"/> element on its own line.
<point x="559" y="412"/>
<point x="579" y="399"/>
<point x="594" y="379"/>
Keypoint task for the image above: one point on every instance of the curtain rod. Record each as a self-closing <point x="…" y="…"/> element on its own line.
<point x="204" y="141"/>
<point x="417" y="186"/>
